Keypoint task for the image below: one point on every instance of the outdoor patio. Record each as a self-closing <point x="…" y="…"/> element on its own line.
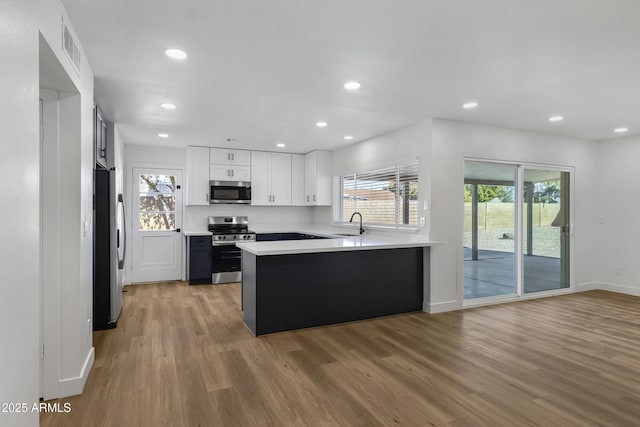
<point x="493" y="274"/>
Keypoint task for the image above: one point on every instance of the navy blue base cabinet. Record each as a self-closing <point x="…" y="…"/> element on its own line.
<point x="293" y="291"/>
<point x="199" y="259"/>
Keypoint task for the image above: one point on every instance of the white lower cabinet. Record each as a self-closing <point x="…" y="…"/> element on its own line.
<point x="270" y="179"/>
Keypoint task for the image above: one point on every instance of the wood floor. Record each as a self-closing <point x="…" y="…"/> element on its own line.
<point x="181" y="356"/>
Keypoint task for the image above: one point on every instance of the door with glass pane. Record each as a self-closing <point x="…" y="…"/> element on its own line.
<point x="157" y="214"/>
<point x="489" y="230"/>
<point x="545" y="230"/>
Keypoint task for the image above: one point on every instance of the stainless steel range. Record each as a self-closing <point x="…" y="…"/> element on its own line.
<point x="226" y="261"/>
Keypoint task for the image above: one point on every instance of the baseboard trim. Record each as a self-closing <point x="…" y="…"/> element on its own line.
<point x="620" y="289"/>
<point x="588" y="286"/>
<point x="441" y="307"/>
<point x="74" y="386"/>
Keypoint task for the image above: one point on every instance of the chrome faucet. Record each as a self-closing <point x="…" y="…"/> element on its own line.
<point x="360" y="215"/>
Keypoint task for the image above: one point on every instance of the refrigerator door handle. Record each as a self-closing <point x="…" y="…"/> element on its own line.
<point x="124" y="232"/>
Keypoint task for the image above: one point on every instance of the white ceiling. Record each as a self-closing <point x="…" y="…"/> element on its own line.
<point x="265" y="71"/>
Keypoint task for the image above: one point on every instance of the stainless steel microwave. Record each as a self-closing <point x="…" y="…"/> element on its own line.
<point x="229" y="192"/>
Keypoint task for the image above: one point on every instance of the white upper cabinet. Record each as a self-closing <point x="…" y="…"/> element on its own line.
<point x="270" y="179"/>
<point x="297" y="180"/>
<point x="197" y="181"/>
<point x="317" y="178"/>
<point x="261" y="178"/>
<point x="229" y="173"/>
<point x="221" y="156"/>
<point x="281" y="179"/>
<point x="229" y="165"/>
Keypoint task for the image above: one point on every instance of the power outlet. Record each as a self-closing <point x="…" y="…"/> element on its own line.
<point x="423" y="221"/>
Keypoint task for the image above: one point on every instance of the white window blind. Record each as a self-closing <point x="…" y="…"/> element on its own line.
<point x="383" y="196"/>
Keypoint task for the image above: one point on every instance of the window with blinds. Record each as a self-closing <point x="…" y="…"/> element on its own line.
<point x="383" y="196"/>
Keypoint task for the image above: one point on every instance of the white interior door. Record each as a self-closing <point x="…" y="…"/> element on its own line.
<point x="157" y="218"/>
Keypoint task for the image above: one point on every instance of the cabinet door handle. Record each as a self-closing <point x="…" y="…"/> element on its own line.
<point x="228" y="156"/>
<point x="307" y="198"/>
<point x="233" y="156"/>
<point x="314" y="197"/>
<point x="233" y="173"/>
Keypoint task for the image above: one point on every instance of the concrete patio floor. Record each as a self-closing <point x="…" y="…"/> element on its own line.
<point x="493" y="274"/>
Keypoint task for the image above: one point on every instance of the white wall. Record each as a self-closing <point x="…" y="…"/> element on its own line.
<point x="20" y="22"/>
<point x="451" y="143"/>
<point x="19" y="204"/>
<point x="618" y="203"/>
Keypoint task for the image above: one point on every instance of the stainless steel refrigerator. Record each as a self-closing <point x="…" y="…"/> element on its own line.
<point x="109" y="250"/>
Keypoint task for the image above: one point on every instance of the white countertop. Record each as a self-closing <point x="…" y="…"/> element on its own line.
<point x="336" y="244"/>
<point x="196" y="233"/>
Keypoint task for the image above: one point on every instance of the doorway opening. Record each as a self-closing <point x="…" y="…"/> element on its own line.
<point x="60" y="171"/>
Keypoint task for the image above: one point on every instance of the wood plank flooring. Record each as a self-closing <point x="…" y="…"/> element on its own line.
<point x="181" y="356"/>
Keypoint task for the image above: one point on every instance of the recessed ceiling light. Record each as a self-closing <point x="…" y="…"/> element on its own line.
<point x="232" y="139"/>
<point x="348" y="137"/>
<point x="352" y="85"/>
<point x="321" y="124"/>
<point x="281" y="145"/>
<point x="163" y="135"/>
<point x="469" y="105"/>
<point x="175" y="53"/>
<point x="621" y="130"/>
<point x="168" y="106"/>
<point x="556" y="118"/>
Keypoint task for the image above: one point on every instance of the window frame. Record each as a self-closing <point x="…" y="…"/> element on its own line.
<point x="339" y="218"/>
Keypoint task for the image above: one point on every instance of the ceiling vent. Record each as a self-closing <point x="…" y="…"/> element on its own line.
<point x="70" y="47"/>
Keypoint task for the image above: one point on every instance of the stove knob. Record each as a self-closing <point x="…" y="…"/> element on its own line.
<point x="223" y="237"/>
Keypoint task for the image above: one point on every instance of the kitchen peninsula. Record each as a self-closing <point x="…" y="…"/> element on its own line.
<point x="295" y="284"/>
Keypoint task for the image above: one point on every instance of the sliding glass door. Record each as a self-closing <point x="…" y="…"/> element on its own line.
<point x="545" y="230"/>
<point x="489" y="230"/>
<point x="516" y="229"/>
